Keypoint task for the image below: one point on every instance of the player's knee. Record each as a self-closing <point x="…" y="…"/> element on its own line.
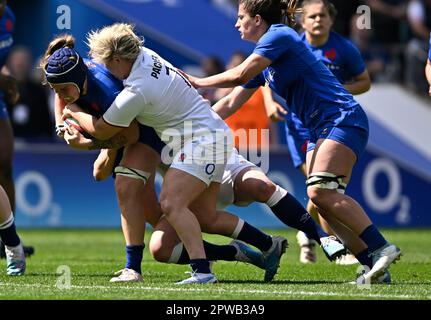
<point x="157" y="250"/>
<point x="321" y="198"/>
<point x="126" y="187"/>
<point x="323" y="188"/>
<point x="263" y="190"/>
<point x="168" y="204"/>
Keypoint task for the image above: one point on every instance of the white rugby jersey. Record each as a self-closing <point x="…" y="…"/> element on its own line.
<point x="158" y="96"/>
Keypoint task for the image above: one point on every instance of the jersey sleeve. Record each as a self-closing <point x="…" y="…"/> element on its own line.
<point x="355" y="63"/>
<point x="272" y="45"/>
<point x="125" y="108"/>
<point x="256" y="82"/>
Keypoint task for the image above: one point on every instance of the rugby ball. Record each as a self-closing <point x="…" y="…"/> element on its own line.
<point x="72" y="123"/>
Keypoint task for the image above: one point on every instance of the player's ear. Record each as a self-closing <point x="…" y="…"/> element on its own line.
<point x="116" y="59"/>
<point x="258" y="19"/>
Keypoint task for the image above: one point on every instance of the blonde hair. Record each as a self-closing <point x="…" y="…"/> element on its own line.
<point x="62" y="41"/>
<point x="118" y="39"/>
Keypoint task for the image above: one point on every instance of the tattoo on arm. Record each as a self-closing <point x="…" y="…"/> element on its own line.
<point x="115" y="142"/>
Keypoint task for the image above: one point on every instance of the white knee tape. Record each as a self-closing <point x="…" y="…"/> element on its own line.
<point x="132" y="173"/>
<point x="327" y="180"/>
<point x="278" y="194"/>
<point x="9" y="221"/>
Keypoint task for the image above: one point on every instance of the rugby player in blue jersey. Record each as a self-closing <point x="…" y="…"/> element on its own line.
<point x="90" y="86"/>
<point x="277" y="199"/>
<point x="337" y="124"/>
<point x="8" y="95"/>
<point x="14" y="251"/>
<point x="93" y="88"/>
<point x="344" y="60"/>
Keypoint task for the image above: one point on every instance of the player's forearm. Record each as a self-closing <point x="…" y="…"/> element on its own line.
<point x="87" y="122"/>
<point x="116" y="142"/>
<point x="58" y="109"/>
<point x="126" y="137"/>
<point x="223" y="108"/>
<point x="268" y="101"/>
<point x="228" y="79"/>
<point x="104" y="164"/>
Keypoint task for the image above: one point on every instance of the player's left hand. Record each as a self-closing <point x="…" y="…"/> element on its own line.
<point x="276" y="112"/>
<point x="190" y="79"/>
<point x="70" y="110"/>
<point x="76" y="140"/>
<point x="67" y="113"/>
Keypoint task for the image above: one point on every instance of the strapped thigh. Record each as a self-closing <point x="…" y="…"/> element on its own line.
<point x="132" y="173"/>
<point x="326" y="180"/>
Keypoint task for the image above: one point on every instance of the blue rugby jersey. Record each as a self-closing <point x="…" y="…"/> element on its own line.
<point x="7" y="26"/>
<point x="311" y="91"/>
<point x="102" y="89"/>
<point x="340" y="55"/>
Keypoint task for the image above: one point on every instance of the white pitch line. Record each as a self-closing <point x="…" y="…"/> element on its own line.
<point x="221" y="290"/>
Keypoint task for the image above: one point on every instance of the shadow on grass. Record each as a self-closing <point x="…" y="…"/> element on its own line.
<point x="74" y="275"/>
<point x="284" y="282"/>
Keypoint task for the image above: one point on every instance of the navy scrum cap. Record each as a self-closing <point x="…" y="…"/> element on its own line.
<point x="66" y="66"/>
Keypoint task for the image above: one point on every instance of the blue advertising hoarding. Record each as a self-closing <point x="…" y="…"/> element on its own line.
<point x="55" y="188"/>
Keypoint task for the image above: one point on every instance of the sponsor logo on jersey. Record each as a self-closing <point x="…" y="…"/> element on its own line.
<point x="6" y="43"/>
<point x="210" y="168"/>
<point x="331" y="54"/>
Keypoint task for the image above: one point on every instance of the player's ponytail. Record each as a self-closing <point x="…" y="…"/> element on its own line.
<point x="63" y="41"/>
<point x="288" y="11"/>
<point x="273" y="11"/>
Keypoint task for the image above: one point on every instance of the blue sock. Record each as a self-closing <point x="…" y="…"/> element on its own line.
<point x="213" y="252"/>
<point x="8" y="233"/>
<point x="255" y="237"/>
<point x="134" y="257"/>
<point x="364" y="258"/>
<point x="216" y="252"/>
<point x="291" y="212"/>
<point x="200" y="265"/>
<point x="372" y="238"/>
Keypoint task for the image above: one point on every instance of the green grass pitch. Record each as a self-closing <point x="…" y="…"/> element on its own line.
<point x="93" y="256"/>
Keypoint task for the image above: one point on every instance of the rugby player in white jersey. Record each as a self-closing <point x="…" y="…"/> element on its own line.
<point x="156" y="95"/>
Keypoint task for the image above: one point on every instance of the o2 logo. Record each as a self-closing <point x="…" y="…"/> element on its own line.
<point x="44" y="203"/>
<point x="393" y="198"/>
